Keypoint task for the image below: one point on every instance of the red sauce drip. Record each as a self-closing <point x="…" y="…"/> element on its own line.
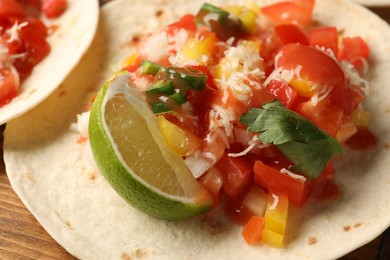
<point x="363" y="140"/>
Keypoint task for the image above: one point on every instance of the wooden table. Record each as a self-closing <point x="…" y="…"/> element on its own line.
<point x="22" y="237"/>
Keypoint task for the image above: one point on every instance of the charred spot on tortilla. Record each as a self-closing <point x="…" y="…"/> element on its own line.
<point x="135" y="40"/>
<point x="347" y="228"/>
<point x="311" y="241"/>
<point x="357" y="225"/>
<point x="159" y="13"/>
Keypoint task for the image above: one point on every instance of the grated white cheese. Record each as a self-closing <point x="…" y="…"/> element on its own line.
<point x="13" y="31"/>
<point x="82" y="123"/>
<point x="275" y="202"/>
<point x="320" y="95"/>
<point x="155" y="47"/>
<point x="177" y="41"/>
<point x="220" y="117"/>
<point x="293" y="175"/>
<point x="353" y="75"/>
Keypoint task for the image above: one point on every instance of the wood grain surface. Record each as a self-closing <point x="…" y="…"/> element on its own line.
<point x="22" y="237"/>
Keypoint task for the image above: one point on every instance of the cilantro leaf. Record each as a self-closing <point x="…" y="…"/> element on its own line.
<point x="298" y="139"/>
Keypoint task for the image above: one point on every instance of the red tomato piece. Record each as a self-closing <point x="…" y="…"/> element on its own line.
<point x="306" y="5"/>
<point x="253" y="230"/>
<point x="10" y="8"/>
<point x="187" y="22"/>
<point x="274" y="181"/>
<point x="316" y="67"/>
<point x="54" y="8"/>
<point x="33" y="37"/>
<point x="353" y="49"/>
<point x="287" y="13"/>
<point x="32" y="8"/>
<point x="290" y="33"/>
<point x="8" y="87"/>
<point x="237" y="174"/>
<point x="297" y="191"/>
<point x="324" y="37"/>
<point x="283" y="92"/>
<point x="325" y="115"/>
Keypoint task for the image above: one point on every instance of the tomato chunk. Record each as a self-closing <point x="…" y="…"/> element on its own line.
<point x="290" y="33"/>
<point x="54" y="8"/>
<point x="317" y="67"/>
<point x="326" y="37"/>
<point x="353" y="50"/>
<point x="283" y="92"/>
<point x="10" y="8"/>
<point x="237" y="174"/>
<point x="275" y="181"/>
<point x="287" y="13"/>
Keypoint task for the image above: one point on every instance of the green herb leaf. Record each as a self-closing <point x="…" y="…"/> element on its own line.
<point x="298" y="139"/>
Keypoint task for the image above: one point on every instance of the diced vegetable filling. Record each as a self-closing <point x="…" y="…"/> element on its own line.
<point x="257" y="101"/>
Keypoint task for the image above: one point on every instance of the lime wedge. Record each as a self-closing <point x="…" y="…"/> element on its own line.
<point x="132" y="155"/>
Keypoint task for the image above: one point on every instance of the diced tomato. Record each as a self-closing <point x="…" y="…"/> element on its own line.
<point x="306" y="5"/>
<point x="54" y="8"/>
<point x="187" y="22"/>
<point x="32" y="8"/>
<point x="353" y="49"/>
<point x="33" y="37"/>
<point x="325" y="115"/>
<point x="297" y="191"/>
<point x="253" y="230"/>
<point x="212" y="181"/>
<point x="326" y="37"/>
<point x="10" y="8"/>
<point x="288" y="12"/>
<point x="283" y="92"/>
<point x="316" y="67"/>
<point x="8" y="87"/>
<point x="274" y="181"/>
<point x="237" y="174"/>
<point x="290" y="33"/>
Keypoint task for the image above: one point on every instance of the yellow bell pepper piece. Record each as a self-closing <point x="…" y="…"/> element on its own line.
<point x="302" y="86"/>
<point x="361" y="117"/>
<point x="129" y="60"/>
<point x="178" y="140"/>
<point x="199" y="50"/>
<point x="246" y="15"/>
<point x="275" y="220"/>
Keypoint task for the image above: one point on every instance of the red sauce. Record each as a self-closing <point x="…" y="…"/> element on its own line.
<point x="363" y="140"/>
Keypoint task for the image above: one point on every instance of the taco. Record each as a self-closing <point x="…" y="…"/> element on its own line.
<point x="49" y="169"/>
<point x="69" y="35"/>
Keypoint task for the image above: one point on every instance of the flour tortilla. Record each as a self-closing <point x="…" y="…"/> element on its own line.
<point x="69" y="42"/>
<point x="374" y="3"/>
<point x="49" y="171"/>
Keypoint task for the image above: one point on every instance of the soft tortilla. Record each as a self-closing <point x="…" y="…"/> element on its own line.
<point x="374" y="3"/>
<point x="77" y="26"/>
<point x="74" y="203"/>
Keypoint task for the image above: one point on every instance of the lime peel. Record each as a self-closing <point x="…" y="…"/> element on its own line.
<point x="134" y="158"/>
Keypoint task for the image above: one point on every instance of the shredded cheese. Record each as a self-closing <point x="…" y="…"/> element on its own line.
<point x="275" y="202"/>
<point x="293" y="175"/>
